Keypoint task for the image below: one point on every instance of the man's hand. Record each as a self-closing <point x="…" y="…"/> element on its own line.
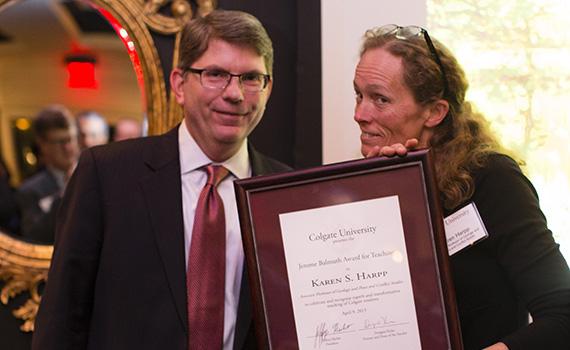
<point x="395" y="149"/>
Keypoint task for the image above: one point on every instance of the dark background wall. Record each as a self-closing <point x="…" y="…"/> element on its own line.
<point x="291" y="128"/>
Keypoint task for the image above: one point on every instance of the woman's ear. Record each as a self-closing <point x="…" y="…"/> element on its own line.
<point x="437" y="111"/>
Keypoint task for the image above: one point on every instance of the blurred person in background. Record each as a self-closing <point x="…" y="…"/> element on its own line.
<point x="38" y="197"/>
<point x="93" y="129"/>
<point x="127" y="128"/>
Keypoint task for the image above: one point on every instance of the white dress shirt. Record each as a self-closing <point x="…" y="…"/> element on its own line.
<point x="193" y="180"/>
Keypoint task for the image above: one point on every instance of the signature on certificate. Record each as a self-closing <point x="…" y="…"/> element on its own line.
<point x="378" y="322"/>
<point x="323" y="330"/>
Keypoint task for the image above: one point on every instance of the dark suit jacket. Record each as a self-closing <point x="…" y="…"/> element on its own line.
<point x="38" y="225"/>
<point x="117" y="279"/>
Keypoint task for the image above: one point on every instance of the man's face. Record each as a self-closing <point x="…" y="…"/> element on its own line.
<point x="220" y="119"/>
<point x="59" y="148"/>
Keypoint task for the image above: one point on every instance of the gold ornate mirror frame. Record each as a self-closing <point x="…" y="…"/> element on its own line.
<point x="24" y="266"/>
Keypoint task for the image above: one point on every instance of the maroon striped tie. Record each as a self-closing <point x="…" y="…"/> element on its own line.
<point x="205" y="278"/>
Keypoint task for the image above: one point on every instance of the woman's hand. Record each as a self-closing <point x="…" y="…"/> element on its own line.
<point x="395" y="149"/>
<point x="498" y="346"/>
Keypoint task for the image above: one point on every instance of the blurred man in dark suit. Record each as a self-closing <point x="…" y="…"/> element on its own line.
<point x="39" y="196"/>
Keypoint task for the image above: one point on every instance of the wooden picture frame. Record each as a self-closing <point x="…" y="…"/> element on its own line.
<point x="264" y="202"/>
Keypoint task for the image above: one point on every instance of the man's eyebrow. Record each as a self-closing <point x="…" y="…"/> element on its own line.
<point x="216" y="67"/>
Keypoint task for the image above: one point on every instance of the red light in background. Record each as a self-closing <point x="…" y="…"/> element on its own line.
<point x="81" y="75"/>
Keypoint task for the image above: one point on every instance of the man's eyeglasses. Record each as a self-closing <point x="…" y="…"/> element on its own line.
<point x="405" y="33"/>
<point x="220" y="79"/>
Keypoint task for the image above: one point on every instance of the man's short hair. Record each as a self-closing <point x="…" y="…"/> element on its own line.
<point x="235" y="27"/>
<point x="50" y="118"/>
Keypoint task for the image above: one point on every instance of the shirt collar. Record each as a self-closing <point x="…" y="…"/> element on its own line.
<point x="192" y="157"/>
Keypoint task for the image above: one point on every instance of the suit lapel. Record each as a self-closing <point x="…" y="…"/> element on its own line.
<point x="259" y="163"/>
<point x="162" y="191"/>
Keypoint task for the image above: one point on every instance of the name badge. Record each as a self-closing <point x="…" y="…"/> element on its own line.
<point x="464" y="228"/>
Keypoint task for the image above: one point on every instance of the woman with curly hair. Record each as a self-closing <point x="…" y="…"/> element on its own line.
<point x="410" y="92"/>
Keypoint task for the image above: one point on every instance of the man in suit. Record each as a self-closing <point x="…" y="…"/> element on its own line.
<point x="119" y="271"/>
<point x="38" y="197"/>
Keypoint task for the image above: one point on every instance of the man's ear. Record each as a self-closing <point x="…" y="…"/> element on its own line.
<point x="177" y="84"/>
<point x="437" y="111"/>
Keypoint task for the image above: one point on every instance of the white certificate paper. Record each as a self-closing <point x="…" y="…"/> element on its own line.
<point x="349" y="276"/>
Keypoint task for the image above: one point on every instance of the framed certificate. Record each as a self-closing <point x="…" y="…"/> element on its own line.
<point x="349" y="256"/>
